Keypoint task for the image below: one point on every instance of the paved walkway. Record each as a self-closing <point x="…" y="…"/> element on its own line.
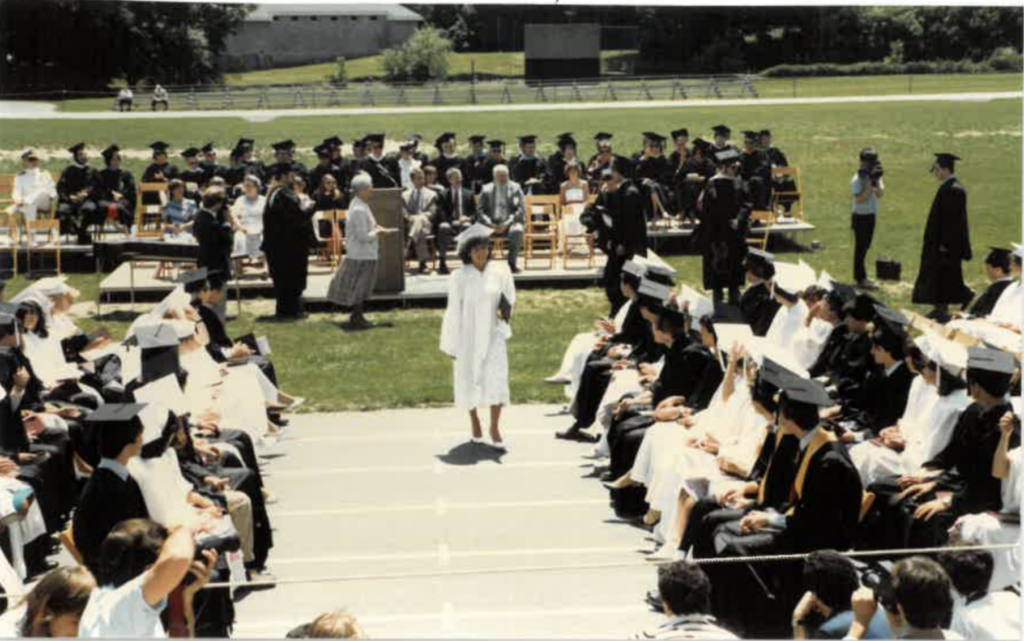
<point x="254" y="115"/>
<point x="394" y="516"/>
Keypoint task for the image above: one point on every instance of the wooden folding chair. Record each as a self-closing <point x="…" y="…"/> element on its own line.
<point x="794" y="198"/>
<point x="9" y="240"/>
<point x="149" y="215"/>
<point x="542" y="215"/>
<point x="758" y="235"/>
<point x="330" y="241"/>
<point x="48" y="232"/>
<point x="6" y="190"/>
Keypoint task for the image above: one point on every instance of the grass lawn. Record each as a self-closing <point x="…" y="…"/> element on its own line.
<point x="400" y="365"/>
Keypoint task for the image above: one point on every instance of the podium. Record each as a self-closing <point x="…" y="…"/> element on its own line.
<point x="389" y="210"/>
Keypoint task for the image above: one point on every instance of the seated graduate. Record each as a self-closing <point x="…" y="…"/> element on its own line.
<point x="987" y="528"/>
<point x="937" y="397"/>
<point x="110" y="495"/>
<point x="887" y="384"/>
<point x="76" y="344"/>
<point x="832" y="311"/>
<point x="959" y="479"/>
<point x="1008" y="309"/>
<point x="638" y="349"/>
<point x="823" y="514"/>
<point x="997" y="271"/>
<point x="852" y="361"/>
<point x="980" y="610"/>
<point x="756" y="303"/>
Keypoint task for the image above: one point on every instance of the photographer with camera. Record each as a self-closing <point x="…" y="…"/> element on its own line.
<point x="867" y="188"/>
<point x="824" y="611"/>
<point x="141" y="565"/>
<point x="917" y="601"/>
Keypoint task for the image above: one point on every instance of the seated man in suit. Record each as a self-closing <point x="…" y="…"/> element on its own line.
<point x="456" y="211"/>
<point x="420" y="210"/>
<point x="503" y="207"/>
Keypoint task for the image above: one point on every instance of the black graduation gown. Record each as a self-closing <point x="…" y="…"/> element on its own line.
<point x="629" y="229"/>
<point x="105" y="502"/>
<point x="756" y="172"/>
<point x="108" y="181"/>
<point x="984" y="304"/>
<point x="159" y="173"/>
<point x="74" y="217"/>
<point x="522" y="169"/>
<point x="219" y="340"/>
<point x="474" y="171"/>
<point x="287" y="229"/>
<point x="216" y="239"/>
<point x="211" y="170"/>
<point x="828" y="358"/>
<point x="652" y="175"/>
<point x="946" y="244"/>
<point x="74" y="179"/>
<point x="555" y="174"/>
<point x="317" y="173"/>
<point x="854" y="364"/>
<point x="384" y="173"/>
<point x="721" y="236"/>
<point x="884" y="399"/>
<point x="759" y="308"/>
<point x="687" y="192"/>
<point x="443" y="163"/>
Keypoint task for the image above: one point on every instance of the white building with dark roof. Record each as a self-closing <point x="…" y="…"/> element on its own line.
<point x="281" y="35"/>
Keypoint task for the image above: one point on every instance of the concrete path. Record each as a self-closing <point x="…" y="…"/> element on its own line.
<point x="395" y="517"/>
<point x="254" y="115"/>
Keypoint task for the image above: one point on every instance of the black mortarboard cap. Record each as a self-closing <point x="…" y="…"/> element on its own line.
<point x="891" y="316"/>
<point x="280" y="169"/>
<point x="322" y="151"/>
<point x="477" y="138"/>
<point x="284" y="145"/>
<point x="194" y="276"/>
<point x="999" y="256"/>
<point x="443" y="138"/>
<point x="805" y="390"/>
<point x="678" y="133"/>
<point x="527" y="139"/>
<point x="991" y="360"/>
<point x="496" y="144"/>
<point x="245" y="143"/>
<point x="862" y="307"/>
<point x="653" y="136"/>
<point x="945" y="159"/>
<point x="701" y="144"/>
<point x="375" y="137"/>
<point x="414" y="137"/>
<point x="721" y="130"/>
<point x="620" y="165"/>
<point x="565" y="140"/>
<point x="159" y="147"/>
<point x="77" y="147"/>
<point x="114" y="415"/>
<point x="333" y="142"/>
<point x="109" y="152"/>
<point x="750" y="135"/>
<point x="603" y="135"/>
<point x="845" y="293"/>
<point x="208" y="148"/>
<point x="766" y="132"/>
<point x="191" y="152"/>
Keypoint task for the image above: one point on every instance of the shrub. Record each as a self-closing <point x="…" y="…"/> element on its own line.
<point x="1006" y="59"/>
<point x="1002" y="60"/>
<point x="423" y="57"/>
<point x="340" y="75"/>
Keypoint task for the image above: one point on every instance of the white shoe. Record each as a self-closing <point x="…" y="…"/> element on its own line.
<point x="558" y="379"/>
<point x="500" y="446"/>
<point x="667" y="552"/>
<point x="476" y="440"/>
<point x="297" y="401"/>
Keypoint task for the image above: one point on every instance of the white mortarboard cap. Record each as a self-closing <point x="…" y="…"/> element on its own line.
<point x="34" y="295"/>
<point x="165" y="393"/>
<point x="476" y="230"/>
<point x="55" y="286"/>
<point x="655" y="290"/>
<point x="153" y="417"/>
<point x="949" y="355"/>
<point x="156" y="335"/>
<point x="658" y="266"/>
<point x="760" y="348"/>
<point x="1018" y="250"/>
<point x="634" y="268"/>
<point x="177" y="299"/>
<point x="793" y="278"/>
<point x="926" y="343"/>
<point x="696" y="304"/>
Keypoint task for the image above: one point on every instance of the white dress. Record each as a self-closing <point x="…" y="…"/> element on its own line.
<point x="249" y="214"/>
<point x="473" y="335"/>
<point x="580" y="348"/>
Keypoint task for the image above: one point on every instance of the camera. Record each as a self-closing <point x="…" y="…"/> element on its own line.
<point x="220" y="543"/>
<point x="876" y="577"/>
<point x="870" y="167"/>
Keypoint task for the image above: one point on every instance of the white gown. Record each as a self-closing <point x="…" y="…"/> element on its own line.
<point x="580" y="348"/>
<point x="1010" y="306"/>
<point x="22" y="531"/>
<point x="236" y="397"/>
<point x="473" y="335"/>
<point x="786" y="326"/>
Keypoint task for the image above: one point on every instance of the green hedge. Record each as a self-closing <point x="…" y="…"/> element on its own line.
<point x="1001" y="61"/>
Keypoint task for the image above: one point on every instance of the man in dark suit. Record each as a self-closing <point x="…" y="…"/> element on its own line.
<point x="947" y="243"/>
<point x="287" y="231"/>
<point x="77" y="207"/>
<point x="111" y="495"/>
<point x="455" y="212"/>
<point x="114" y="189"/>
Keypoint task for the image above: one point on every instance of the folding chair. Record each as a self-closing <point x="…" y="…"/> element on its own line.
<point x="793" y="198"/>
<point x="149" y="215"/>
<point x="542" y="215"/>
<point x="758" y="235"/>
<point x="47" y="231"/>
<point x="569" y="219"/>
<point x="327" y="228"/>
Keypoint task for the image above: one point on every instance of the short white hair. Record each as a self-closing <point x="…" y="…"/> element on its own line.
<point x="361" y="181"/>
<point x="453" y="172"/>
<point x="500" y="169"/>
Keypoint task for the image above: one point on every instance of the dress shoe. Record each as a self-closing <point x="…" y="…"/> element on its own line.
<point x="576" y="433"/>
<point x="867" y="284"/>
<point x="653" y="599"/>
<point x="557" y="380"/>
<point x="443" y="270"/>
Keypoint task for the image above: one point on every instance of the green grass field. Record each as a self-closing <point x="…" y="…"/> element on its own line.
<point x="401" y="366"/>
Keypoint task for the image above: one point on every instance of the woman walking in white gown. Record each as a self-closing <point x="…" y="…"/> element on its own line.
<point x="475" y="329"/>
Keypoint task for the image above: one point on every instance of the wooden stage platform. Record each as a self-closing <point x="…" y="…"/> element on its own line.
<point x="122" y="286"/>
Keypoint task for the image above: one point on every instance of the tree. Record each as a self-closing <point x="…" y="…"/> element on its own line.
<point x="423" y="57"/>
<point x="83" y="44"/>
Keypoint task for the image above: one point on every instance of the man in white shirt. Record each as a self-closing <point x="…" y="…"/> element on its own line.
<point x="977" y="612"/>
<point x="420" y="207"/>
<point x="141" y="564"/>
<point x="406" y="163"/>
<point x="34" y="189"/>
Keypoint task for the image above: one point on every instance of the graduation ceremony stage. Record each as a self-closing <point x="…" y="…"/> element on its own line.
<point x="395" y="517"/>
<point x="122" y="284"/>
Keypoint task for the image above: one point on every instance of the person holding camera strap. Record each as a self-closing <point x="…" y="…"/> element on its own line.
<point x="867" y="188"/>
